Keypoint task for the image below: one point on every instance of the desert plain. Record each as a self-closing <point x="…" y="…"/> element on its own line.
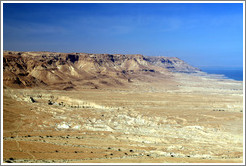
<point x="111" y="109"/>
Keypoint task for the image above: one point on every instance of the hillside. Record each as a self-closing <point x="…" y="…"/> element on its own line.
<point x="75" y="70"/>
<point x="104" y="108"/>
<point x="173" y="64"/>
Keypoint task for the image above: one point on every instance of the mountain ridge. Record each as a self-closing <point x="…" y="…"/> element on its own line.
<point x="28" y="69"/>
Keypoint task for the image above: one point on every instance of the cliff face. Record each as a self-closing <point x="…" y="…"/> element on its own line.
<point x="70" y="70"/>
<point x="173" y="64"/>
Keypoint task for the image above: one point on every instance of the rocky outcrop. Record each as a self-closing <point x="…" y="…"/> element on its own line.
<point x="71" y="70"/>
<point x="173" y="64"/>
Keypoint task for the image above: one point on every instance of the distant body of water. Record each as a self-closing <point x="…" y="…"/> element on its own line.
<point x="231" y="73"/>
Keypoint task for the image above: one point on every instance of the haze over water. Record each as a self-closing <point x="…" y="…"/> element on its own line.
<point x="230" y="73"/>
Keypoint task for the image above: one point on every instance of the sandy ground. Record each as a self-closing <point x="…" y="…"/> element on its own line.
<point x="199" y="121"/>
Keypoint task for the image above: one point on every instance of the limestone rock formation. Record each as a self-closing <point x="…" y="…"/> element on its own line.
<point x="71" y="70"/>
<point x="173" y="64"/>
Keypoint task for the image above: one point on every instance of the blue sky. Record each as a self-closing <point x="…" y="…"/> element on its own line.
<point x="200" y="34"/>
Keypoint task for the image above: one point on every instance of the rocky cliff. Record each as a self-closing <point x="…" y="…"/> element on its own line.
<point x="173" y="64"/>
<point x="70" y="70"/>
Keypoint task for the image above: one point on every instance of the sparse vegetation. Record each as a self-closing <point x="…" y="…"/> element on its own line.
<point x="142" y="116"/>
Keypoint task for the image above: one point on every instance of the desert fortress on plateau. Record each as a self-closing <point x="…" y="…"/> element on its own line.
<point x="113" y="108"/>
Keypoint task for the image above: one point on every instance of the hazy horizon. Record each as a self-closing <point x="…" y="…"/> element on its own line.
<point x="202" y="34"/>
